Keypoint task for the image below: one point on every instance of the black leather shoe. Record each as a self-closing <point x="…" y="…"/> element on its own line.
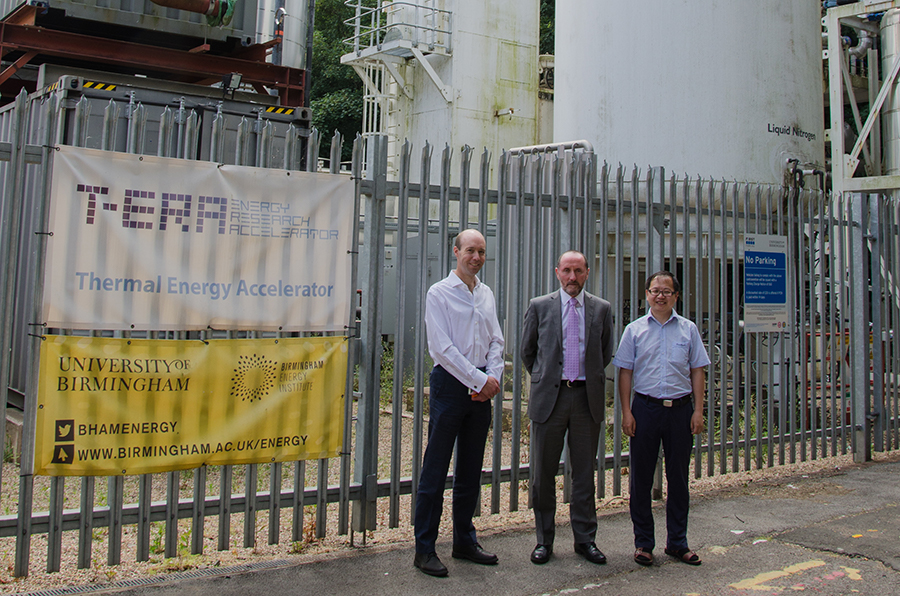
<point x="589" y="551"/>
<point x="474" y="553"/>
<point x="541" y="553"/>
<point x="430" y="564"/>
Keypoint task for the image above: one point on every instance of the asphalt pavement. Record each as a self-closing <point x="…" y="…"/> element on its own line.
<point x="832" y="533"/>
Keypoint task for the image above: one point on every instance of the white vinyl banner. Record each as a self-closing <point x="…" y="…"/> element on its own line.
<point x="150" y="243"/>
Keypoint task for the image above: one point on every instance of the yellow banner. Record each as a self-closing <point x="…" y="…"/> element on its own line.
<point x="135" y="406"/>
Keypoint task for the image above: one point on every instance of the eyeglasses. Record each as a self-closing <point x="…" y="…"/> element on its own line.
<point x="665" y="293"/>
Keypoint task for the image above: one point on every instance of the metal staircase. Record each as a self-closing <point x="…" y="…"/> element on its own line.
<point x="391" y="35"/>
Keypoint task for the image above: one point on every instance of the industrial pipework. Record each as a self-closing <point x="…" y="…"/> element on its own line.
<point x="218" y="12"/>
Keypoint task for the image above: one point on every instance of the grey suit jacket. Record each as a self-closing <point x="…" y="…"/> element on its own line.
<point x="542" y="353"/>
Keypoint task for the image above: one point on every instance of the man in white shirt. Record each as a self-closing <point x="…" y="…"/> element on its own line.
<point x="662" y="357"/>
<point x="466" y="344"/>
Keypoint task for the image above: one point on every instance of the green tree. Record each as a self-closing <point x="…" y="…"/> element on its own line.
<point x="548" y="17"/>
<point x="336" y="92"/>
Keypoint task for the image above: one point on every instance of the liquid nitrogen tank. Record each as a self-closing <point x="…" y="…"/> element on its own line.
<point x="728" y="90"/>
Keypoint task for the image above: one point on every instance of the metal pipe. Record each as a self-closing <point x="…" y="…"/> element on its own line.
<point x="218" y="12"/>
<point x="311" y="20"/>
<point x="861" y="25"/>
<point x="198" y="6"/>
<point x="866" y="41"/>
<point x="586" y="145"/>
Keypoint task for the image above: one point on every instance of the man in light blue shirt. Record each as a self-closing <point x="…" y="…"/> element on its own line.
<point x="662" y="357"/>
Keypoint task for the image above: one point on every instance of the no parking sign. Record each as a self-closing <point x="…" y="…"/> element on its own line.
<point x="765" y="283"/>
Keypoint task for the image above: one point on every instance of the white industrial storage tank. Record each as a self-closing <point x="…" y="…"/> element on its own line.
<point x="890" y="47"/>
<point x="730" y="90"/>
<point x="462" y="72"/>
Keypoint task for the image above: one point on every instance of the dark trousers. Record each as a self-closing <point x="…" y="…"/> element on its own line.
<point x="571" y="414"/>
<point x="454" y="418"/>
<point x="655" y="424"/>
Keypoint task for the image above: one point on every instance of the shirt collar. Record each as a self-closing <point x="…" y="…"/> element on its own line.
<point x="455" y="281"/>
<point x="671" y="318"/>
<point x="564" y="297"/>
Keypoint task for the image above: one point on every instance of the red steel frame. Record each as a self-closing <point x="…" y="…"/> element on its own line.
<point x="189" y="66"/>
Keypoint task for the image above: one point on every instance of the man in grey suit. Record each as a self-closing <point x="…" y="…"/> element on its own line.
<point x="566" y="345"/>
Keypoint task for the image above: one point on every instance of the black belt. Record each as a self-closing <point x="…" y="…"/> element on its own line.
<point x="573" y="383"/>
<point x="668" y="403"/>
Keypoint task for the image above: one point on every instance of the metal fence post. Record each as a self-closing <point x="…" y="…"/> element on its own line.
<point x="370" y="339"/>
<point x="402" y="244"/>
<point x="26" y="471"/>
<point x="353" y="333"/>
<point x="421" y="292"/>
<point x="656" y="187"/>
<point x="859" y="333"/>
<point x="876" y="416"/>
<point x="12" y="202"/>
<point x="8" y="242"/>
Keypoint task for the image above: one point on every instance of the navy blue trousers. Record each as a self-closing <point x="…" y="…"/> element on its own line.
<point x="655" y="424"/>
<point x="454" y="419"/>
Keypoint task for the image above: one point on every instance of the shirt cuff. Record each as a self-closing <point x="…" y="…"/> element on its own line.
<point x="479" y="381"/>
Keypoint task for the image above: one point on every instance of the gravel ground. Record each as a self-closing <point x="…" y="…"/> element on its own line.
<point x="763" y="482"/>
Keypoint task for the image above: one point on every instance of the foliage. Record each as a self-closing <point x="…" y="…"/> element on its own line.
<point x="297" y="547"/>
<point x="341" y="111"/>
<point x="335" y="91"/>
<point x="386" y="380"/>
<point x="548" y="18"/>
<point x="156" y="540"/>
<point x="9" y="453"/>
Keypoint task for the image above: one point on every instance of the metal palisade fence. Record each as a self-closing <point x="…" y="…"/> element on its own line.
<point x="824" y="385"/>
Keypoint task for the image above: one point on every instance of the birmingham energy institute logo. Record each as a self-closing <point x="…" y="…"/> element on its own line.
<point x="254" y="378"/>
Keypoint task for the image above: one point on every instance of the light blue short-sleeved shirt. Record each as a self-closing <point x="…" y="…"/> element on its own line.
<point x="661" y="355"/>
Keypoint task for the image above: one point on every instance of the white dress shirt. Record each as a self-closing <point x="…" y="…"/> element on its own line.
<point x="463" y="331"/>
<point x="565" y="305"/>
<point x="661" y="355"/>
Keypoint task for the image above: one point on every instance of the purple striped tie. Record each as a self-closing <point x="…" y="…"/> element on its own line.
<point x="572" y="364"/>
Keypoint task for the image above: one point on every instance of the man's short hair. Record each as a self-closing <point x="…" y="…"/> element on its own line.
<point x="572" y="252"/>
<point x="675" y="285"/>
<point x="457" y="242"/>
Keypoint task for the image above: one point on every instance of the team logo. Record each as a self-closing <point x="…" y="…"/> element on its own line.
<point x="254" y="378"/>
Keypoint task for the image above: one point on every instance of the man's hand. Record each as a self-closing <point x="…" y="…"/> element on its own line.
<point x="625" y="378"/>
<point x="490" y="389"/>
<point x="697" y="422"/>
<point x="628" y="424"/>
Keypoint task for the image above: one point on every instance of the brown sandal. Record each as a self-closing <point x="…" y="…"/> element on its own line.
<point x="685" y="555"/>
<point x="643" y="557"/>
